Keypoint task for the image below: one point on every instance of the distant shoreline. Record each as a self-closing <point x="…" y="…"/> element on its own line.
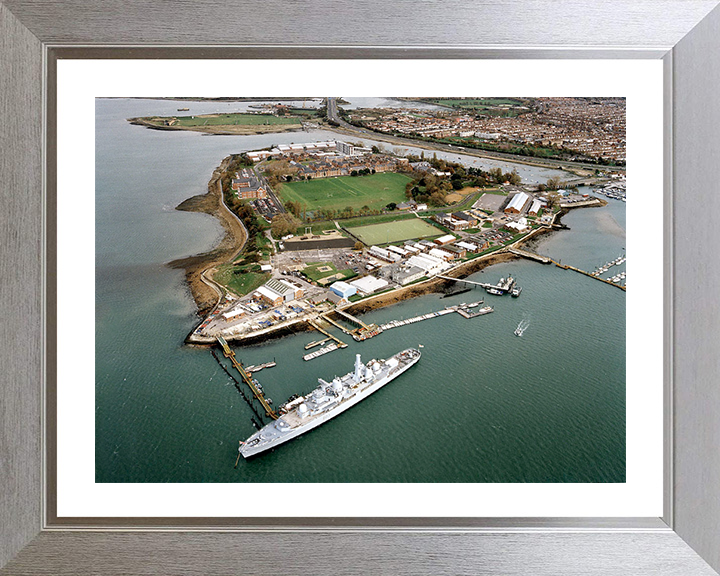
<point x="222" y="130"/>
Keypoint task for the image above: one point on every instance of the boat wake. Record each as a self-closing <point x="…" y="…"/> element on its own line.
<point x="522" y="326"/>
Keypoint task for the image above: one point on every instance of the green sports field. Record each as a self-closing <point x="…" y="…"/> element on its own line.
<point x="374" y="191"/>
<point x="389" y="232"/>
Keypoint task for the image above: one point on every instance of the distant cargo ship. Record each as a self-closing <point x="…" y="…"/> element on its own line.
<point x="328" y="400"/>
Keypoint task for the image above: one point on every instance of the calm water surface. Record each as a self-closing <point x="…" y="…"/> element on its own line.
<point x="481" y="406"/>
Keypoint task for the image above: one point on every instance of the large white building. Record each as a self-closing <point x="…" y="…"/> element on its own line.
<point x="429" y="264"/>
<point x="517" y="203"/>
<point x="369" y="284"/>
<point x="384" y="254"/>
<point x="350" y="149"/>
<point x="343" y="289"/>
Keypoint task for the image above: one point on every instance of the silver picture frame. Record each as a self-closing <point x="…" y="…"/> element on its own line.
<point x="685" y="34"/>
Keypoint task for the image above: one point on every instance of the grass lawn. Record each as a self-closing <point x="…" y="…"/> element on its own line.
<point x="242" y="283"/>
<point x="373" y="190"/>
<point x="234" y="119"/>
<point x="318" y="270"/>
<point x="319" y="227"/>
<point x="398" y="231"/>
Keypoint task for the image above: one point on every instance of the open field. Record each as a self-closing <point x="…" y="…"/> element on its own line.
<point x="241" y="279"/>
<point x="318" y="270"/>
<point x="374" y="191"/>
<point x="234" y="119"/>
<point x="394" y="231"/>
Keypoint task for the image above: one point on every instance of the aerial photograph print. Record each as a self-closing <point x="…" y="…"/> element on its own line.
<point x="360" y="289"/>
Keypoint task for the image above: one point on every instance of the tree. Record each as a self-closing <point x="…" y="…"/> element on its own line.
<point x="496" y="174"/>
<point x="513" y="177"/>
<point x="294" y="207"/>
<point x="348" y="209"/>
<point x="358" y="246"/>
<point x="554" y="183"/>
<point x="375" y="150"/>
<point x="284" y="224"/>
<point x="391" y="206"/>
<point x="354" y="173"/>
<point x="437" y="199"/>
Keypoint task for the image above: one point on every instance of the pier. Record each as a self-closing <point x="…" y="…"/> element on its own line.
<point x="462" y="309"/>
<point x="353" y="319"/>
<point x="247" y="379"/>
<point x="546" y="260"/>
<point x="239" y="389"/>
<point x="530" y="255"/>
<point x="590" y="275"/>
<point x="363" y="332"/>
<point x="338" y="326"/>
<point x="339" y="342"/>
<point x="504" y="286"/>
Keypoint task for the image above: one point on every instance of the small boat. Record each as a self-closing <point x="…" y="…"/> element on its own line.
<point x="516" y="291"/>
<point x="521" y="327"/>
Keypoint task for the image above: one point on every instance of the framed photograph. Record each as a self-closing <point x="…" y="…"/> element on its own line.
<point x="481" y="184"/>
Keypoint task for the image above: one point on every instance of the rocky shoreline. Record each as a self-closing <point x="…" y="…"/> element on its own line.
<point x="200" y="268"/>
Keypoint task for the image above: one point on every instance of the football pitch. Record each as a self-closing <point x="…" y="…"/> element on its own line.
<point x="388" y="232"/>
<point x="374" y="191"/>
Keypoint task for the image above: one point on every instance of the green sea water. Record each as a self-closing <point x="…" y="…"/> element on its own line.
<point x="482" y="405"/>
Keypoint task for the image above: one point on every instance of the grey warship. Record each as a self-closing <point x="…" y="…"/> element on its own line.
<point x="328" y="400"/>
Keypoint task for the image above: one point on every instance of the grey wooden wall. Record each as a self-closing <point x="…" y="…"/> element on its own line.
<point x="21" y="169"/>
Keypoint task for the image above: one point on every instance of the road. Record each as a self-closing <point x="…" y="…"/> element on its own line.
<point x="271" y="193"/>
<point x="332" y="112"/>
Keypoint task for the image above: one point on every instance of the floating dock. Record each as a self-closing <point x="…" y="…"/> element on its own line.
<point x="316" y="343"/>
<point x="258" y="367"/>
<point x="461" y="309"/>
<point x="481" y="312"/>
<point x="329" y="348"/>
<point x="504" y="286"/>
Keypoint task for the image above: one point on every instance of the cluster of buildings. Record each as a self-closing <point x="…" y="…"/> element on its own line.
<point x="522" y="202"/>
<point x="346" y="165"/>
<point x="274" y="292"/>
<point x="457" y="221"/>
<point x="247" y="185"/>
<point x="364" y="286"/>
<point x="592" y="127"/>
<point x="316" y="149"/>
<point x="424" y="258"/>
